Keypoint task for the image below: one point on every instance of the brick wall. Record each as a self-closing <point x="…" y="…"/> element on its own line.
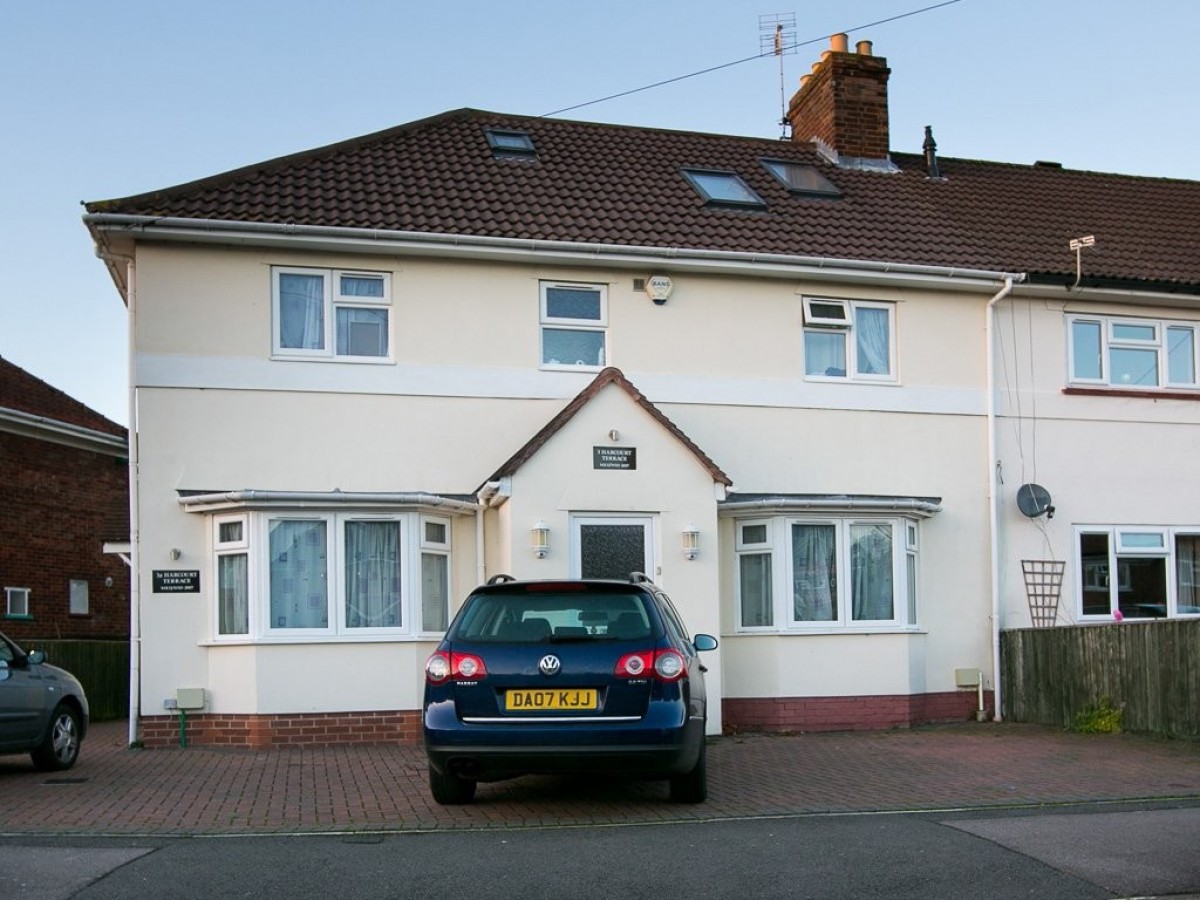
<point x="58" y="504"/>
<point x="844" y="103"/>
<point x="779" y="714"/>
<point x="283" y="730"/>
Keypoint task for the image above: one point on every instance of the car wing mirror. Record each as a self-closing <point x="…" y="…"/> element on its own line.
<point x="704" y="642"/>
<point x="36" y="657"/>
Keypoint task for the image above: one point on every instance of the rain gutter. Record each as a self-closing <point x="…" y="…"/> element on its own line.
<point x="386" y="241"/>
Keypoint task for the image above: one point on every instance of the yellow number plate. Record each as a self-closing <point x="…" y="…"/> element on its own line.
<point x="536" y="701"/>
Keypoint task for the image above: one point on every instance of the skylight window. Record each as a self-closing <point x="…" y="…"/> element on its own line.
<point x="510" y="143"/>
<point x="723" y="188"/>
<point x="801" y="179"/>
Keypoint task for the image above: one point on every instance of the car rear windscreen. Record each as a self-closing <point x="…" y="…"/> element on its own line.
<point x="548" y="616"/>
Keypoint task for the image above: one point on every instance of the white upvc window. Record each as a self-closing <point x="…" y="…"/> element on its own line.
<point x="1137" y="572"/>
<point x="17" y="602"/>
<point x="574" y="323"/>
<point x="302" y="576"/>
<point x="1133" y="353"/>
<point x="849" y="340"/>
<point x="828" y="573"/>
<point x="331" y="314"/>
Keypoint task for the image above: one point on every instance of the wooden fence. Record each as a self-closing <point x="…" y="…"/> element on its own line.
<point x="1149" y="670"/>
<point x="102" y="667"/>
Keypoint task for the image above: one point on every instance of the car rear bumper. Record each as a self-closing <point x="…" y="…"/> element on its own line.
<point x="483" y="753"/>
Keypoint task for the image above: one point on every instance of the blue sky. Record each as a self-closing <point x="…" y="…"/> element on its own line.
<point x="104" y="100"/>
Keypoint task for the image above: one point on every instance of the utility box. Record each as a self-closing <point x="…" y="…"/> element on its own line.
<point x="189" y="698"/>
<point x="967" y="678"/>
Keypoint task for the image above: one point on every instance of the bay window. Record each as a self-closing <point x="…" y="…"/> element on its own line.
<point x="314" y="575"/>
<point x="805" y="573"/>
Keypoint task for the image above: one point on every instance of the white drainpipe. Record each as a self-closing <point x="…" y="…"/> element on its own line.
<point x="135" y="542"/>
<point x="993" y="499"/>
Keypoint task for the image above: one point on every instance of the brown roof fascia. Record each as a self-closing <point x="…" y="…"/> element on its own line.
<point x="610" y="375"/>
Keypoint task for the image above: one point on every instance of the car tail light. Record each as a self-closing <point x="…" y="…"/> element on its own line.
<point x="467" y="667"/>
<point x="441" y="667"/>
<point x="665" y="665"/>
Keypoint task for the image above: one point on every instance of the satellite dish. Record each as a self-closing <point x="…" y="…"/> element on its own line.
<point x="1034" y="500"/>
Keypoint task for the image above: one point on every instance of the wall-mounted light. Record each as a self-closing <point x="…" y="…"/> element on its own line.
<point x="176" y="553"/>
<point x="539" y="539"/>
<point x="690" y="540"/>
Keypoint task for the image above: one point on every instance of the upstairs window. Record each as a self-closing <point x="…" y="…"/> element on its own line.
<point x="849" y="340"/>
<point x="800" y="179"/>
<point x="574" y="319"/>
<point x="721" y="188"/>
<point x="510" y="144"/>
<point x="322" y="313"/>
<point x="1133" y="353"/>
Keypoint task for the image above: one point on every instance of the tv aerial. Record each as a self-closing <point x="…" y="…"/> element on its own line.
<point x="1033" y="500"/>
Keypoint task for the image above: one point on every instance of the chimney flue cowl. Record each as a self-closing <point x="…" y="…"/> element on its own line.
<point x="930" y="147"/>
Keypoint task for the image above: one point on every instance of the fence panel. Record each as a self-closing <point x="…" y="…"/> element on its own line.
<point x="1150" y="670"/>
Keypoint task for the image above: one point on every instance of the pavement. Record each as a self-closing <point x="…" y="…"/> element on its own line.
<point x="114" y="790"/>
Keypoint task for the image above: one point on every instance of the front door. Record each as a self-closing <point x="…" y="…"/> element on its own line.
<point x="611" y="546"/>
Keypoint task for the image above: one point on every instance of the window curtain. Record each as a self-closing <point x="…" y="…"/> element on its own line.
<point x="871" y="572"/>
<point x="755" y="573"/>
<point x="233" y="615"/>
<point x="299" y="581"/>
<point x="1187" y="565"/>
<point x="825" y="353"/>
<point x="814" y="573"/>
<point x="301" y="312"/>
<point x="874" y="345"/>
<point x="435" y="591"/>
<point x="372" y="574"/>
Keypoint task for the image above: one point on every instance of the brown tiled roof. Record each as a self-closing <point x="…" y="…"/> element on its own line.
<point x="620" y="185"/>
<point x="611" y="375"/>
<point x="24" y="393"/>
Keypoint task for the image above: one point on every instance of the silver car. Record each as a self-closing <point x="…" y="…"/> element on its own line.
<point x="43" y="710"/>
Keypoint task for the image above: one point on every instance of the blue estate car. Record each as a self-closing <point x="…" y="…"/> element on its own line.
<point x="583" y="676"/>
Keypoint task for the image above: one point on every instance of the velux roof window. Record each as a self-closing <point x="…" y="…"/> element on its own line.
<point x="801" y="179"/>
<point x="510" y="144"/>
<point x="723" y="188"/>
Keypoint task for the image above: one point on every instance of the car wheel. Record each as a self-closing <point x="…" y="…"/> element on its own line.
<point x="60" y="749"/>
<point x="692" y="787"/>
<point x="450" y="790"/>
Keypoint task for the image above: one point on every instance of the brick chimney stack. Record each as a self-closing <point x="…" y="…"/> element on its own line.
<point x="843" y="102"/>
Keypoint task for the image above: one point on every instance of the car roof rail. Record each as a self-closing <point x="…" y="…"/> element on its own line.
<point x="500" y="578"/>
<point x="639" y="578"/>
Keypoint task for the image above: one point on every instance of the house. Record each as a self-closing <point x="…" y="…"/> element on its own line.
<point x="65" y="495"/>
<point x="824" y="392"/>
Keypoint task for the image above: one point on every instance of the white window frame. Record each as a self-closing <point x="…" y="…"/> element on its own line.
<point x="815" y="323"/>
<point x="255" y="544"/>
<point x="1125" y="541"/>
<point x="563" y="323"/>
<point x="744" y="548"/>
<point x="430" y="547"/>
<point x="1159" y="344"/>
<point x="905" y="539"/>
<point x="332" y="301"/>
<point x="17" y="602"/>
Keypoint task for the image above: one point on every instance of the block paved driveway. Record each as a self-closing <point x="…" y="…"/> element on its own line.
<point x="198" y="790"/>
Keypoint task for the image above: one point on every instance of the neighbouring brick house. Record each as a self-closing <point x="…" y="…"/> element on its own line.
<point x="63" y="496"/>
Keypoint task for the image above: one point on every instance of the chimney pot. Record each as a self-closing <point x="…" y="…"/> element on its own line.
<point x="863" y="48"/>
<point x="839" y="43"/>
